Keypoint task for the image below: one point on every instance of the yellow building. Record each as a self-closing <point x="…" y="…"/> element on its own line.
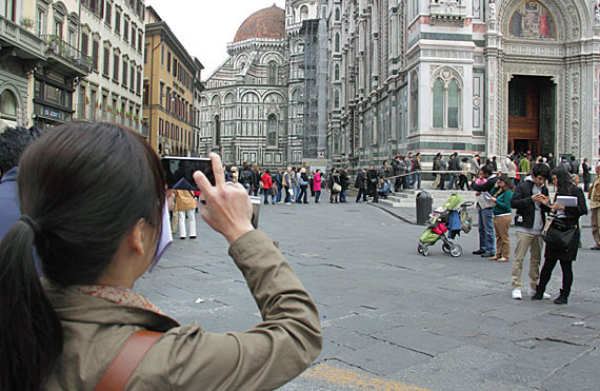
<point x="171" y="78"/>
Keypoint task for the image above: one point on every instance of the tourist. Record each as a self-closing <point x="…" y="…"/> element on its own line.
<point x="594" y="197"/>
<point x="530" y="218"/>
<point x="569" y="217"/>
<point x="502" y="194"/>
<point x="95" y="241"/>
<point x="485" y="211"/>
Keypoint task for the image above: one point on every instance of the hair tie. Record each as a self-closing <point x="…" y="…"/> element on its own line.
<point x="34" y="226"/>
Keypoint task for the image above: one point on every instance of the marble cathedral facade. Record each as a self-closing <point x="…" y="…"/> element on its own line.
<point x="472" y="76"/>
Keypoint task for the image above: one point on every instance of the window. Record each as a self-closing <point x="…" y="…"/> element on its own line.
<point x="338" y="16"/>
<point x="106" y="68"/>
<point x="162" y="55"/>
<point x="453" y="104"/>
<point x="133" y="35"/>
<point x="108" y="15"/>
<point x="337" y="42"/>
<point x="272" y="73"/>
<point x="336" y="99"/>
<point x="272" y="131"/>
<point x="414" y="101"/>
<point x="138" y="83"/>
<point x="446" y="100"/>
<point x="168" y="61"/>
<point x="41" y="22"/>
<point x="303" y="13"/>
<point x="125" y="65"/>
<point x="84" y="43"/>
<point x="95" y="53"/>
<point x="9" y="10"/>
<point x="8" y="105"/>
<point x="337" y="72"/>
<point x="118" y="22"/>
<point x="162" y="89"/>
<point x="438" y="104"/>
<point x="58" y="28"/>
<point x="132" y="78"/>
<point x="174" y="67"/>
<point x="116" y="63"/>
<point x="140" y="40"/>
<point x="126" y="30"/>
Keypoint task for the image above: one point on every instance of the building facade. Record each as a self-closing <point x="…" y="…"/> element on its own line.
<point x="20" y="52"/>
<point x="475" y="76"/>
<point x="429" y="76"/>
<point x="171" y="85"/>
<point x="112" y="35"/>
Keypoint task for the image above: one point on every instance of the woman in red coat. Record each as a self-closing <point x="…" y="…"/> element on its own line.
<point x="267" y="184"/>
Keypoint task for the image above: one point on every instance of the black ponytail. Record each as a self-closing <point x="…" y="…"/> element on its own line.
<point x="31" y="336"/>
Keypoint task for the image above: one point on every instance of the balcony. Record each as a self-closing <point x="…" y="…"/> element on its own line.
<point x="67" y="59"/>
<point x="448" y="12"/>
<point x="27" y="45"/>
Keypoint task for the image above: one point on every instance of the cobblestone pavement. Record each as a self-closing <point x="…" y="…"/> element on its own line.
<point x="393" y="319"/>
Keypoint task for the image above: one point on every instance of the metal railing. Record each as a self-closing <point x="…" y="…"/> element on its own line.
<point x="66" y="51"/>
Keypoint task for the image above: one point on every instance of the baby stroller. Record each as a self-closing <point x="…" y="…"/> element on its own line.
<point x="451" y="217"/>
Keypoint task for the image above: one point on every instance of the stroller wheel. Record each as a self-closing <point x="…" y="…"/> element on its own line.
<point x="420" y="249"/>
<point x="446" y="248"/>
<point x="456" y="250"/>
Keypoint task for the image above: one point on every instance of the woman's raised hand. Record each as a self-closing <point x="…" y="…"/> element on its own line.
<point x="226" y="206"/>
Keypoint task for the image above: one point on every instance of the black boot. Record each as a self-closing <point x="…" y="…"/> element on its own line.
<point x="562" y="298"/>
<point x="539" y="294"/>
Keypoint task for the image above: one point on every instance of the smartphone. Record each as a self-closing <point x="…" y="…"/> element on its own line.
<point x="256" y="201"/>
<point x="179" y="171"/>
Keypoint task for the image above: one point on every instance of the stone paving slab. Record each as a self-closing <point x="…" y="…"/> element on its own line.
<point x="393" y="319"/>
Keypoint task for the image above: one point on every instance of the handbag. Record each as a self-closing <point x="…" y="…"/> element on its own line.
<point x="336" y="188"/>
<point x="273" y="191"/>
<point x="558" y="235"/>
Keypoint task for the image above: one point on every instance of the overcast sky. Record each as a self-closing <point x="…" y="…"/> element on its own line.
<point x="205" y="27"/>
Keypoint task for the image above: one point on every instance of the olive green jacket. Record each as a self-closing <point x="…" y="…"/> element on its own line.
<point x="187" y="357"/>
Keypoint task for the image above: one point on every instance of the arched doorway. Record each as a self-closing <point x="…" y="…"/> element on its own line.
<point x="531" y="115"/>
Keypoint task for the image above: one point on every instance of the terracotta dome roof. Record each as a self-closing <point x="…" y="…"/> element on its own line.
<point x="266" y="23"/>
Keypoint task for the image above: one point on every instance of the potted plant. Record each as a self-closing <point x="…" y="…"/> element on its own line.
<point x="87" y="100"/>
<point x="27" y="23"/>
<point x="109" y="108"/>
<point x="128" y="115"/>
<point x="97" y="105"/>
<point x="136" y="118"/>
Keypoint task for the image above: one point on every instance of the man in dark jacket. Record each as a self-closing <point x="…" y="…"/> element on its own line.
<point x="372" y="181"/>
<point x="13" y="143"/>
<point x="344" y="184"/>
<point x="396" y="170"/>
<point x="454" y="165"/>
<point x="487" y="236"/>
<point x="360" y="184"/>
<point x="529" y="221"/>
<point x="574" y="165"/>
<point x="246" y="177"/>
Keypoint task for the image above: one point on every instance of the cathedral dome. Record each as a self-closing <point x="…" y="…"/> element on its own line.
<point x="266" y="23"/>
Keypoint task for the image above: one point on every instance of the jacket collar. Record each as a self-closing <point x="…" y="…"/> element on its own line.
<point x="78" y="307"/>
<point x="10" y="175"/>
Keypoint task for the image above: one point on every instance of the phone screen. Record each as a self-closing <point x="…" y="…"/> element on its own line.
<point x="179" y="171"/>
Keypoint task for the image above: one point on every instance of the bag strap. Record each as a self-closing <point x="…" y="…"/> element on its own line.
<point x="119" y="372"/>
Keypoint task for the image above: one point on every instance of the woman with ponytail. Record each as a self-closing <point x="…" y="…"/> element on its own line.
<point x="92" y="198"/>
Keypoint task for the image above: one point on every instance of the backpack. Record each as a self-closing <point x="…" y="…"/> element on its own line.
<point x="246" y="176"/>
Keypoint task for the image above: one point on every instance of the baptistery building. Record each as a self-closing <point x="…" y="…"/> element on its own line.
<point x="358" y="81"/>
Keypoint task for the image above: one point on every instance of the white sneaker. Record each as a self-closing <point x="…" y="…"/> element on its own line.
<point x="547" y="296"/>
<point x="516" y="294"/>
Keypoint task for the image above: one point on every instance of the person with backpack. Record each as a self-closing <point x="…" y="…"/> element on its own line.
<point x="246" y="177"/>
<point x="303" y="183"/>
<point x="361" y="184"/>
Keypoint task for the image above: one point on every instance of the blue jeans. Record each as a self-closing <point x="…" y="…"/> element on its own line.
<point x="317" y="196"/>
<point x="278" y="196"/>
<point x="343" y="195"/>
<point x="247" y="187"/>
<point x="487" y="236"/>
<point x="417" y="179"/>
<point x="266" y="193"/>
<point x="287" y="194"/>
